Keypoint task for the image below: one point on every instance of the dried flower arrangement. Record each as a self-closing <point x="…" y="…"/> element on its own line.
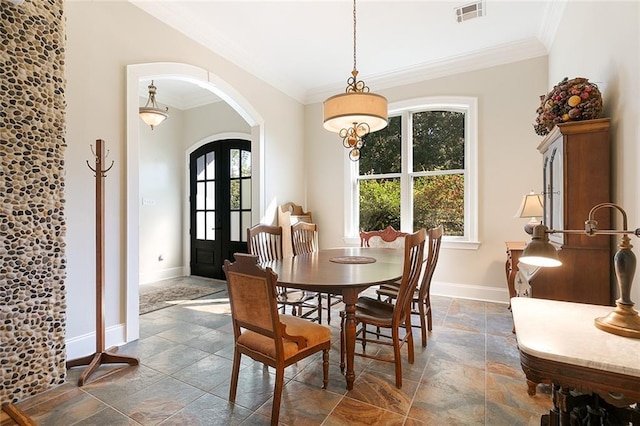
<point x="570" y="100"/>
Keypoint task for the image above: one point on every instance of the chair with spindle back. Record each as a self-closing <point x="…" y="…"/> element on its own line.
<point x="265" y="241"/>
<point x="421" y="304"/>
<point x="383" y="315"/>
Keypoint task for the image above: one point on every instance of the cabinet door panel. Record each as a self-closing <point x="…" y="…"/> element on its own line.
<point x="576" y="177"/>
<point x="554" y="191"/>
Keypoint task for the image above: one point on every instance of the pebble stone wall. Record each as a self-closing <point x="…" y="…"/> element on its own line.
<point x="32" y="224"/>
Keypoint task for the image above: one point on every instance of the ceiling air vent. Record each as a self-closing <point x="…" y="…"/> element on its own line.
<point x="469" y="11"/>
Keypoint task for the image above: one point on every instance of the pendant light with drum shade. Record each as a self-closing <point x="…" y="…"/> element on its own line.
<point x="151" y="114"/>
<point x="356" y="112"/>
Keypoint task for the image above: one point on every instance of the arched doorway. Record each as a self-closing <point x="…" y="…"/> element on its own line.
<point x="208" y="81"/>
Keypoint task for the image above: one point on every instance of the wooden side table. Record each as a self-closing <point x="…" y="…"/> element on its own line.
<point x="514" y="250"/>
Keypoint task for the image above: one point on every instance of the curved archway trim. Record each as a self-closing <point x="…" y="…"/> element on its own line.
<point x="209" y="81"/>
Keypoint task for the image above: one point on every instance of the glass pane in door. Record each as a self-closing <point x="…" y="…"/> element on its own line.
<point x="200" y="226"/>
<point x="200" y="195"/>
<point x="246" y="194"/>
<point x="234" y="163"/>
<point x="211" y="196"/>
<point x="235" y="194"/>
<point x="235" y="226"/>
<point x="211" y="165"/>
<point x="200" y="168"/>
<point x="211" y="223"/>
<point x="246" y="163"/>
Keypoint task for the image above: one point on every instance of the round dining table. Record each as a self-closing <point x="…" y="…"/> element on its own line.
<point x="345" y="271"/>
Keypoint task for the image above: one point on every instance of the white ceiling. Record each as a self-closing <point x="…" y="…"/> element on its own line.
<point x="305" y="47"/>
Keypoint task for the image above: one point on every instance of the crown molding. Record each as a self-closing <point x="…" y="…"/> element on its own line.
<point x="494" y="56"/>
<point x="554" y="11"/>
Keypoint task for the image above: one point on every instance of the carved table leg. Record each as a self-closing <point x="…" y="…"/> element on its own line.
<point x="350" y="297"/>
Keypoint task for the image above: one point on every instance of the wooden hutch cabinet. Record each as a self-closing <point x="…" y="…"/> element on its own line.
<point x="577" y="176"/>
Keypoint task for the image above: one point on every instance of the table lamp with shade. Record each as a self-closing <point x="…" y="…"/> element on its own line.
<point x="623" y="320"/>
<point x="531" y="207"/>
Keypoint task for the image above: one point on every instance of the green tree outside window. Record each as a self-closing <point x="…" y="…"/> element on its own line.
<point x="436" y="172"/>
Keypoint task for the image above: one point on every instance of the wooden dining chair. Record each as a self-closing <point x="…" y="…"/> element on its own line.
<point x="421" y="304"/>
<point x="384" y="238"/>
<point x="388" y="237"/>
<point x="264" y="335"/>
<point x="393" y="317"/>
<point x="304" y="239"/>
<point x="265" y="241"/>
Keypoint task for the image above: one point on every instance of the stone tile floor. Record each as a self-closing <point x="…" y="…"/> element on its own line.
<point x="469" y="374"/>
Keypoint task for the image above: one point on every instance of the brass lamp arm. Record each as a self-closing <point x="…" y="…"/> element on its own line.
<point x="597" y="207"/>
<point x="591" y="225"/>
<point x="591" y="232"/>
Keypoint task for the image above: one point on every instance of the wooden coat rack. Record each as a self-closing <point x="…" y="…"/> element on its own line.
<point x="101" y="356"/>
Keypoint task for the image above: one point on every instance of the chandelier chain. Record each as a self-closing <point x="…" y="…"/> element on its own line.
<point x="354" y="35"/>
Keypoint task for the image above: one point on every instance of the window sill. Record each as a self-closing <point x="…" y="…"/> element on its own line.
<point x="447" y="244"/>
<point x="460" y="245"/>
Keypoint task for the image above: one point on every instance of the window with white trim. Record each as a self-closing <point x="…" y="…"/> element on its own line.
<point x="420" y="171"/>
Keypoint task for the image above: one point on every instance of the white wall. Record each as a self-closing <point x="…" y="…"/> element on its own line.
<point x="102" y="39"/>
<point x="601" y="41"/>
<point x="164" y="183"/>
<point x="217" y="118"/>
<point x="509" y="167"/>
<point x="161" y="192"/>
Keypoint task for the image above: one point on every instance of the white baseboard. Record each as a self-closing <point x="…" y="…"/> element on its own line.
<point x="161" y="274"/>
<point x="81" y="346"/>
<point x="467" y="291"/>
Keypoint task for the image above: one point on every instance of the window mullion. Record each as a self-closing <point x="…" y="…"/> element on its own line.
<point x="438" y="173"/>
<point x="380" y="176"/>
<point x="406" y="183"/>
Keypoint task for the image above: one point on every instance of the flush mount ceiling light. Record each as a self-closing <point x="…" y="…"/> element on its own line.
<point x="151" y="113"/>
<point x="356" y="112"/>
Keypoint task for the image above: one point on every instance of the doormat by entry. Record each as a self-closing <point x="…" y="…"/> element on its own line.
<point x="153" y="299"/>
